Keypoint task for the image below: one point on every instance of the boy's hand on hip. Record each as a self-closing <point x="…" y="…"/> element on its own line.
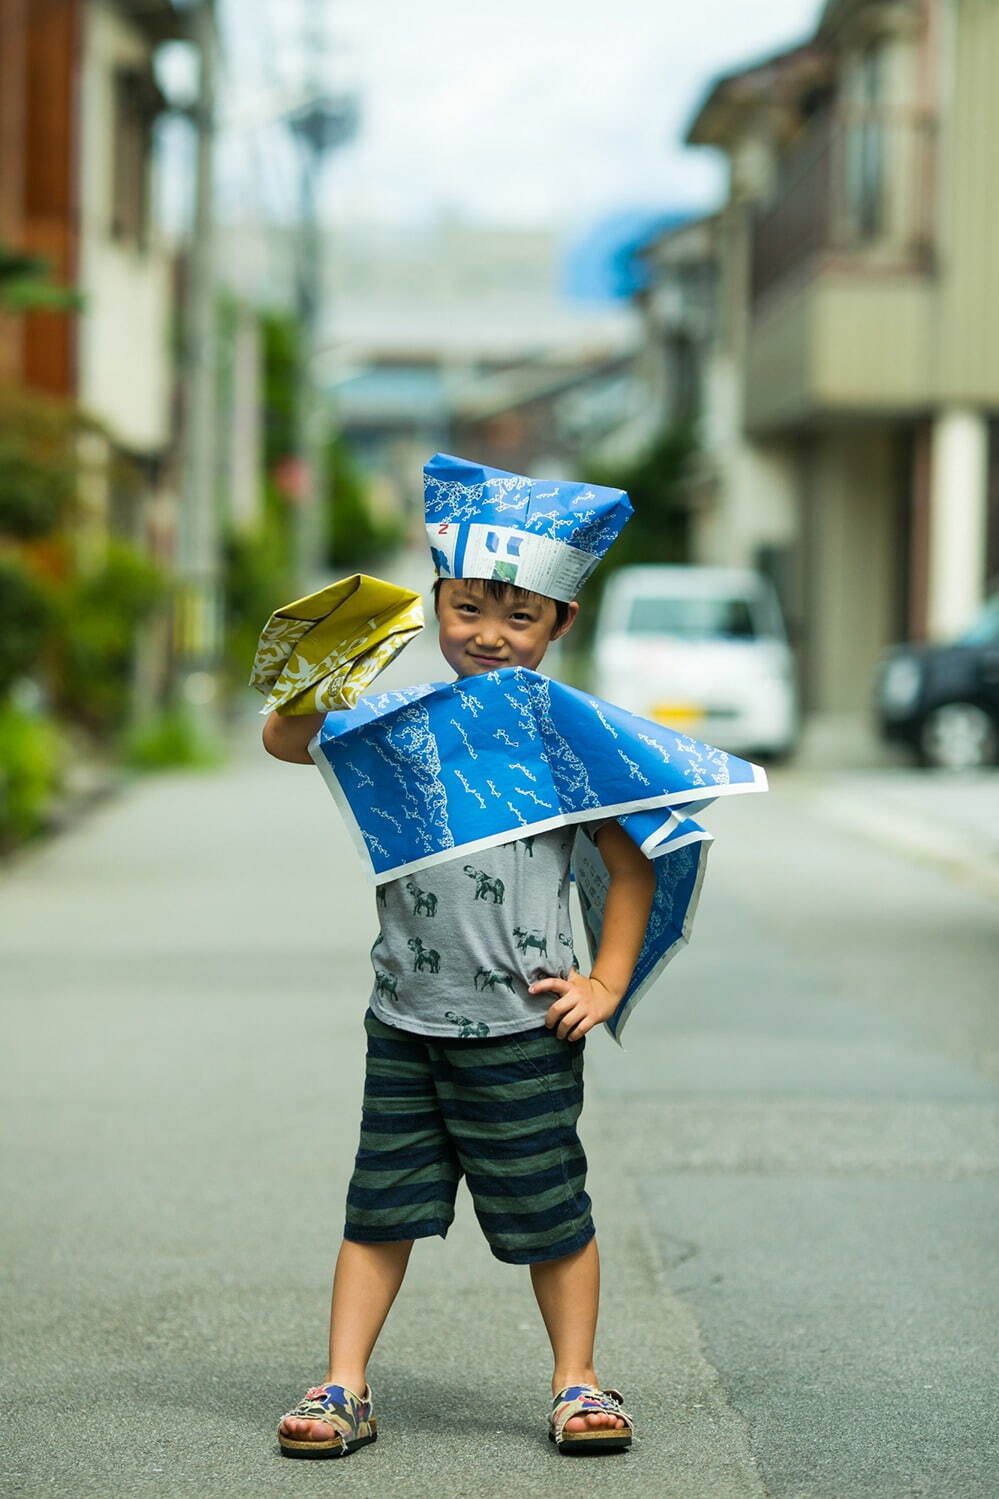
<point x="582" y="1003"/>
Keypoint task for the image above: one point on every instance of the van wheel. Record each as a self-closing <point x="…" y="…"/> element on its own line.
<point x="958" y="736"/>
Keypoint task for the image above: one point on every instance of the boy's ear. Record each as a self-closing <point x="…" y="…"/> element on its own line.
<point x="570" y="620"/>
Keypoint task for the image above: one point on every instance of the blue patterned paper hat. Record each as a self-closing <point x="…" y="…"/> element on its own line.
<point x="546" y="535"/>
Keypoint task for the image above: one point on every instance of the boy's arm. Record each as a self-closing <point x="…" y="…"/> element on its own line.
<point x="626" y="910"/>
<point x="584" y="1002"/>
<point x="287" y="737"/>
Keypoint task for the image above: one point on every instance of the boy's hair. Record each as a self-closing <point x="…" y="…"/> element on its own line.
<point x="497" y="589"/>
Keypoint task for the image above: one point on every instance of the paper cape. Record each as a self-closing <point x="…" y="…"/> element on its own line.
<point x="322" y="651"/>
<point x="424" y="774"/>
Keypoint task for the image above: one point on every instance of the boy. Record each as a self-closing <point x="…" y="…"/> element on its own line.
<point x="515" y="1034"/>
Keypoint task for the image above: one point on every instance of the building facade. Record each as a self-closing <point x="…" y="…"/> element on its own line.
<point x="78" y="110"/>
<point x="851" y="383"/>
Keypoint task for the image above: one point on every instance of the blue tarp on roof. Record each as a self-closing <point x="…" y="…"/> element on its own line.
<point x="604" y="264"/>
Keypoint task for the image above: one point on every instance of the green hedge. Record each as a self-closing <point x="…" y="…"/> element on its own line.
<point x="99" y="615"/>
<point x="27" y="616"/>
<point x="30" y="773"/>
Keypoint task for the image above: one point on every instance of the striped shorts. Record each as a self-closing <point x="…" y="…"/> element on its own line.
<point x="501" y="1112"/>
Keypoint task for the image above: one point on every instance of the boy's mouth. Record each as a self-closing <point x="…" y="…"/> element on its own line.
<point x="486" y="660"/>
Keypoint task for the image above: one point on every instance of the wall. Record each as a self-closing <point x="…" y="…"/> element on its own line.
<point x="846" y="340"/>
<point x="124" y="357"/>
<point x="851" y="487"/>
<point x="968" y="327"/>
<point x="37" y="177"/>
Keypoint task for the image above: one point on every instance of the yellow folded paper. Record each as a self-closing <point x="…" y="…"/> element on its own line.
<point x="320" y="652"/>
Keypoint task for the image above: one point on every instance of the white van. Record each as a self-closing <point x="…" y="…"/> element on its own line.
<point x="701" y="649"/>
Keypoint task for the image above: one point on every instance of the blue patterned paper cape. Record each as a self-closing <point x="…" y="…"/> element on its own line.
<point x="423" y="774"/>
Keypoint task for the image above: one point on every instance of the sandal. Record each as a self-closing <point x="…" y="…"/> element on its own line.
<point x="348" y="1416"/>
<point x="581" y="1400"/>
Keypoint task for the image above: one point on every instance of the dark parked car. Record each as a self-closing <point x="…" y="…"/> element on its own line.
<point x="943" y="700"/>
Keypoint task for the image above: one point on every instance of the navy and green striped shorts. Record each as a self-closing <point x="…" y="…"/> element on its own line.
<point x="500" y="1111"/>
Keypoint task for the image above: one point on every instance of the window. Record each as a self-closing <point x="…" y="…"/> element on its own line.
<point x="866" y="147"/>
<point x="133" y="113"/>
<point x="691" y="618"/>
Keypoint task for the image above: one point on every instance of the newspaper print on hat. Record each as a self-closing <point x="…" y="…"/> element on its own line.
<point x="546" y="535"/>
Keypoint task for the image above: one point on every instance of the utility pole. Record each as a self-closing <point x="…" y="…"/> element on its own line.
<point x="324" y="122"/>
<point x="199" y="604"/>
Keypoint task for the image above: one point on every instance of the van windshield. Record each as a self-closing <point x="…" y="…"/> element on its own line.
<point x="691" y="618"/>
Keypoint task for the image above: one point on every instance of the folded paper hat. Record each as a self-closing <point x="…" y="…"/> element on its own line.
<point x="320" y="652"/>
<point x="545" y="535"/>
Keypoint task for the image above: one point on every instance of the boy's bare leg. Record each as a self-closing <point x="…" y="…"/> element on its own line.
<point x="365" y="1283"/>
<point x="568" y="1294"/>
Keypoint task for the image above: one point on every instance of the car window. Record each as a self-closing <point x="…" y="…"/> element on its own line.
<point x="985" y="629"/>
<point x="691" y="618"/>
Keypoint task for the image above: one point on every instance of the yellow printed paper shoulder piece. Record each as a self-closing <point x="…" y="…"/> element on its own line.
<point x="320" y="653"/>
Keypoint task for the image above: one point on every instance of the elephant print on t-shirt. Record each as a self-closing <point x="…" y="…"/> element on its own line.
<point x="486" y="884"/>
<point x="426" y="957"/>
<point x="467" y="1029"/>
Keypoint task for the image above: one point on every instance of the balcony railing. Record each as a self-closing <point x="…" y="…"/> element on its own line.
<point x="860" y="184"/>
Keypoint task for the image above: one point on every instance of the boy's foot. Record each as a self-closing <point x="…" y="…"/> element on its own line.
<point x="329" y="1421"/>
<point x="301" y="1430"/>
<point x="306" y="1429"/>
<point x="587" y="1418"/>
<point x="592" y="1420"/>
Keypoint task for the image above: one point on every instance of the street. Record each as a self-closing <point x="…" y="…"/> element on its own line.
<point x="793" y="1164"/>
<point x="698" y="302"/>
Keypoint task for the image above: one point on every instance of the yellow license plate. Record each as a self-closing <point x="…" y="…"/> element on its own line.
<point x="677" y="715"/>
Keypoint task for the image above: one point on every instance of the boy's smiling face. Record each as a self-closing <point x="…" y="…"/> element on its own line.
<point x="480" y="633"/>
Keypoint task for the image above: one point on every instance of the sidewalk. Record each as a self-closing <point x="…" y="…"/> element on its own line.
<point x="941" y="819"/>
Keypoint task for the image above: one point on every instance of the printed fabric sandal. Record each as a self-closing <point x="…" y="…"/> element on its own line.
<point x="583" y="1400"/>
<point x="348" y="1416"/>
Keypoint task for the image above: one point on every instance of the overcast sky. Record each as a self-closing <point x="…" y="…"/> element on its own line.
<point x="525" y="111"/>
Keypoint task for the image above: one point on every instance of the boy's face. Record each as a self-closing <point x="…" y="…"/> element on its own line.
<point x="479" y="633"/>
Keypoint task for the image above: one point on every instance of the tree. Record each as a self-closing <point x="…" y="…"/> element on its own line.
<point x="357" y="534"/>
<point x="657" y="532"/>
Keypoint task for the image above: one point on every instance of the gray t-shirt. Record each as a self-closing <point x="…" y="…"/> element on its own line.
<point x="460" y="942"/>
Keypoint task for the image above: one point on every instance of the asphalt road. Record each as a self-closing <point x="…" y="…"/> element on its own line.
<point x="794" y="1167"/>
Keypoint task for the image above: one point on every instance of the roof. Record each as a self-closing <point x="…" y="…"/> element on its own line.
<point x="872" y="14"/>
<point x="772" y="80"/>
<point x="393" y="394"/>
<point x="509" y="390"/>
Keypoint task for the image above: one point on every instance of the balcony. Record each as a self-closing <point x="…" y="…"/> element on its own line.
<point x="841" y="295"/>
<point x="856" y="191"/>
